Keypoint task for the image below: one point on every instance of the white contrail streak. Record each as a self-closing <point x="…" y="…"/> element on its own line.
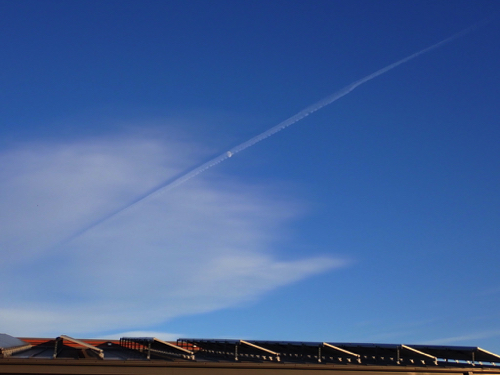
<point x="171" y="184"/>
<point x="295" y="118"/>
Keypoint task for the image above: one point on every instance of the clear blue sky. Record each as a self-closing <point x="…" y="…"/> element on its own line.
<point x="375" y="219"/>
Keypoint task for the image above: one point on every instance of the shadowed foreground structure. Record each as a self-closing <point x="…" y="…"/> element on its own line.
<point x="149" y="355"/>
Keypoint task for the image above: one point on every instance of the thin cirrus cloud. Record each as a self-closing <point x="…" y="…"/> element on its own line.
<point x="465" y="338"/>
<point x="201" y="247"/>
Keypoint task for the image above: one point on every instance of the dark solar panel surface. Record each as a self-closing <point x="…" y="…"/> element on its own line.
<point x="463" y="353"/>
<point x="397" y="354"/>
<point x="251" y="351"/>
<point x="7" y="342"/>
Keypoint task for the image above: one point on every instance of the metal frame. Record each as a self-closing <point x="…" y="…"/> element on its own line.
<point x="149" y="355"/>
<point x="58" y="346"/>
<point x="10" y="345"/>
<point x="156" y="346"/>
<point x="236" y="350"/>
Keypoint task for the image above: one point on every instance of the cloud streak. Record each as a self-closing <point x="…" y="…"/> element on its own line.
<point x="465" y="338"/>
<point x="186" y="176"/>
<point x="208" y="246"/>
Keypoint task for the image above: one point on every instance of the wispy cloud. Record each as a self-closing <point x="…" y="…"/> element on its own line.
<point x="205" y="246"/>
<point x="471" y="337"/>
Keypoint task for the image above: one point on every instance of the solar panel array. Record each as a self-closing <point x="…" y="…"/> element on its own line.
<point x="153" y="346"/>
<point x="342" y="353"/>
<point x="240" y="351"/>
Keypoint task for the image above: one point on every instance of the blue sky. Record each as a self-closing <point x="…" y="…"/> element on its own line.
<point x="375" y="219"/>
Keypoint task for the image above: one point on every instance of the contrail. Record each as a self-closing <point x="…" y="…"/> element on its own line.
<point x="176" y="181"/>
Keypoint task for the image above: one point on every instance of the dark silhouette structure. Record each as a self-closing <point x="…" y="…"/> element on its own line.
<point x="149" y="355"/>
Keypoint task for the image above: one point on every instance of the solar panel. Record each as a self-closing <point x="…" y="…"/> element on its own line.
<point x="459" y="353"/>
<point x="157" y="347"/>
<point x="232" y="351"/>
<point x="307" y="351"/>
<point x="10" y="345"/>
<point x="236" y="350"/>
<point x="59" y="346"/>
<point x="348" y="353"/>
